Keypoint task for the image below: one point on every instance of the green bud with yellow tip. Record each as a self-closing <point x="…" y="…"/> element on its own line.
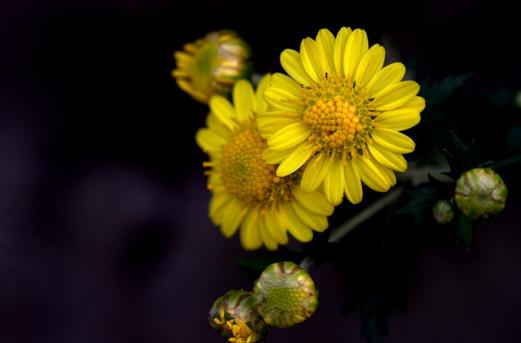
<point x="480" y="192"/>
<point x="234" y="317"/>
<point x="211" y="65"/>
<point x="286" y="295"/>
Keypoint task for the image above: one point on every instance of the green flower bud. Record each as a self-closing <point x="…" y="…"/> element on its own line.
<point x="480" y="192"/>
<point x="286" y="295"/>
<point x="211" y="65"/>
<point x="234" y="317"/>
<point x="443" y="212"/>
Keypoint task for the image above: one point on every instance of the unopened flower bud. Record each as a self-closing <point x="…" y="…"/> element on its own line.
<point x="211" y="65"/>
<point x="234" y="317"/>
<point x="480" y="192"/>
<point x="286" y="295"/>
<point x="442" y="212"/>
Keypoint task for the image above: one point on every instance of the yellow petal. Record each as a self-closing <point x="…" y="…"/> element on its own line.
<point x="393" y="141"/>
<point x="273" y="122"/>
<point x="216" y="206"/>
<point x="371" y="173"/>
<point x="276" y="230"/>
<point x="334" y="183"/>
<point x="244" y="100"/>
<point x="215" y="125"/>
<point x="209" y="141"/>
<point x="291" y="62"/>
<point x="386" y="76"/>
<point x="289" y="136"/>
<point x="356" y="47"/>
<point x="311" y="59"/>
<point x="339" y="49"/>
<point x="275" y="156"/>
<point x="296" y="159"/>
<point x="391" y="177"/>
<point x="396" y="95"/>
<point x="234" y="212"/>
<point x="417" y="103"/>
<point x="262" y="105"/>
<point x="388" y="159"/>
<point x="286" y="83"/>
<point x="315" y="202"/>
<point x="267" y="238"/>
<point x="369" y="65"/>
<point x="223" y="110"/>
<point x="296" y="227"/>
<point x="315" y="172"/>
<point x="315" y="221"/>
<point x="400" y="119"/>
<point x="215" y="183"/>
<point x="325" y="45"/>
<point x="353" y="184"/>
<point x="281" y="99"/>
<point x="250" y="233"/>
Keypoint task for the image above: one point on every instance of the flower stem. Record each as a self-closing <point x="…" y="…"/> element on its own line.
<point x="365" y="214"/>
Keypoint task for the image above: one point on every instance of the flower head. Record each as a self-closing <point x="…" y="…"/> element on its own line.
<point x="286" y="295"/>
<point x="480" y="192"/>
<point x="338" y="115"/>
<point x="212" y="65"/>
<point x="246" y="192"/>
<point x="234" y="317"/>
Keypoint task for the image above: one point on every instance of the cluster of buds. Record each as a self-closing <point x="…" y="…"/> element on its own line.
<point x="283" y="295"/>
<point x="479" y="193"/>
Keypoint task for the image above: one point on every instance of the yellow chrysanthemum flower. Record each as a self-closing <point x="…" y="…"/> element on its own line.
<point x="338" y="115"/>
<point x="246" y="192"/>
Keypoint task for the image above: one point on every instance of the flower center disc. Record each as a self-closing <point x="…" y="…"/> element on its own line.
<point x="339" y="115"/>
<point x="336" y="120"/>
<point x="245" y="174"/>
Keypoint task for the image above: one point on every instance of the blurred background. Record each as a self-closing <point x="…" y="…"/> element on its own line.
<point x="104" y="235"/>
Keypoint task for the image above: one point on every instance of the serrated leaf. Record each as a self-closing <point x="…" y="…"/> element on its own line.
<point x="503" y="97"/>
<point x="368" y="313"/>
<point x="420" y="205"/>
<point x="439" y="91"/>
<point x="461" y="158"/>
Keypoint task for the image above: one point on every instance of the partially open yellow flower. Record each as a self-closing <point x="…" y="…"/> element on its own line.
<point x="338" y="115"/>
<point x="246" y="192"/>
<point x="211" y="65"/>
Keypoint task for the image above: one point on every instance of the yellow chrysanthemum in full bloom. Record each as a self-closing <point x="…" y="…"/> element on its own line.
<point x="246" y="192"/>
<point x="338" y="115"/>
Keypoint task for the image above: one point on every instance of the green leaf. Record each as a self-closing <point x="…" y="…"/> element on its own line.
<point x="462" y="157"/>
<point x="420" y="205"/>
<point x="439" y="91"/>
<point x="503" y="97"/>
<point x="368" y="313"/>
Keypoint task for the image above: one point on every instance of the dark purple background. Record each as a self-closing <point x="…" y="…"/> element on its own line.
<point x="104" y="235"/>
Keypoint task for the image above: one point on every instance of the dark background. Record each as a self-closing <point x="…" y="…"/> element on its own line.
<point x="104" y="235"/>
